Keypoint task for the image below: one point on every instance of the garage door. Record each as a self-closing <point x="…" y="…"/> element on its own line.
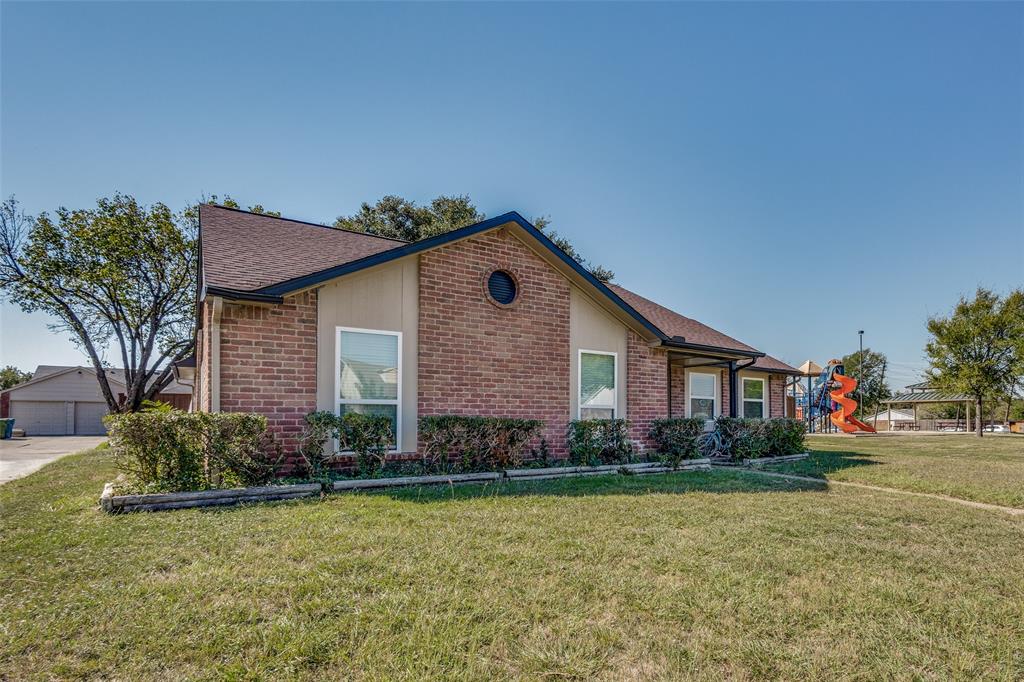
<point x="89" y="419"/>
<point x="40" y="418"/>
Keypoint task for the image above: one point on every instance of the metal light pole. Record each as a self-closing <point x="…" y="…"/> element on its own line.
<point x="860" y="372"/>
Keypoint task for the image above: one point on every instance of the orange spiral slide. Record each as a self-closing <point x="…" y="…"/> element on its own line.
<point x="842" y="417"/>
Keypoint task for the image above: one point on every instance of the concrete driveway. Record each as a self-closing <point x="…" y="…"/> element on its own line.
<point x="21" y="456"/>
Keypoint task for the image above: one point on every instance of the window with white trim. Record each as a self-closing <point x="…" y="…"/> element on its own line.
<point x="369" y="374"/>
<point x="753" y="398"/>
<point x="597" y="392"/>
<point x="703" y="401"/>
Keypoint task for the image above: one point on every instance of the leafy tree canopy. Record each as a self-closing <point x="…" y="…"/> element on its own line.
<point x="231" y="203"/>
<point x="870" y="375"/>
<point x="12" y="376"/>
<point x="979" y="348"/>
<point x="398" y="218"/>
<point x="118" y="273"/>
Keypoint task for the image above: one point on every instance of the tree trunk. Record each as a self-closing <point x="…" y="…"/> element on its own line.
<point x="981" y="418"/>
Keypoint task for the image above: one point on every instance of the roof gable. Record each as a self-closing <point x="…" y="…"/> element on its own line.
<point x="229" y="265"/>
<point x="242" y="260"/>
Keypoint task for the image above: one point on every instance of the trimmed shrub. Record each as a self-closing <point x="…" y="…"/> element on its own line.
<point x="173" y="451"/>
<point x="741" y="438"/>
<point x="456" y="443"/>
<point x="676" y="439"/>
<point x="314" y="456"/>
<point x="786" y="436"/>
<point x="366" y="436"/>
<point x="754" y="438"/>
<point x="599" y="441"/>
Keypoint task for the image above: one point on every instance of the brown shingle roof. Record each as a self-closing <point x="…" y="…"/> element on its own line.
<point x="674" y="324"/>
<point x="771" y="364"/>
<point x="246" y="251"/>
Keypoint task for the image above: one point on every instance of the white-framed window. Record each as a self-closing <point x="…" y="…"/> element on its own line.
<point x="703" y="395"/>
<point x="598" y="397"/>
<point x="368" y="375"/>
<point x="753" y="398"/>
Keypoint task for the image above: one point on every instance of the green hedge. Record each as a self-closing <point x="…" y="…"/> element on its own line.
<point x="740" y="438"/>
<point x="677" y="438"/>
<point x="599" y="441"/>
<point x="457" y="443"/>
<point x="173" y="451"/>
<point x="366" y="436"/>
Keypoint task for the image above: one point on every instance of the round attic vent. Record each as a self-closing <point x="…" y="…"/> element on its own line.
<point x="502" y="287"/>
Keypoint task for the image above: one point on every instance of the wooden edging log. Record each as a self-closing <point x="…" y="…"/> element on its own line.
<point x="761" y="461"/>
<point x="203" y="498"/>
<point x="567" y="471"/>
<point x="112" y="503"/>
<point x="370" y="483"/>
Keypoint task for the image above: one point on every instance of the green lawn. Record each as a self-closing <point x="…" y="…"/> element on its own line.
<point x="988" y="469"/>
<point x="690" y="575"/>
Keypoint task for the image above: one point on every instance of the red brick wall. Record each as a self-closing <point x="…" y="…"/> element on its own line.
<point x="268" y="363"/>
<point x="723" y="379"/>
<point x="478" y="359"/>
<point x="776" y="395"/>
<point x="646" y="387"/>
<point x="5" y="405"/>
<point x="678" y="391"/>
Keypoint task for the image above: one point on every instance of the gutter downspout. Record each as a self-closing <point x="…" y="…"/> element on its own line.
<point x="218" y="307"/>
<point x="734" y="370"/>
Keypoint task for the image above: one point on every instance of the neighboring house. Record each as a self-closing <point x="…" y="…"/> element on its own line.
<point x="66" y="401"/>
<point x="491" y="319"/>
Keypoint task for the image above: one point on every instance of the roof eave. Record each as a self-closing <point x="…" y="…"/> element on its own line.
<point x="776" y="370"/>
<point x="677" y="344"/>
<point x="239" y="295"/>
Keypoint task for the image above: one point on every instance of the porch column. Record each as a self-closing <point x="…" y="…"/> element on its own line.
<point x="733" y="400"/>
<point x="668" y="365"/>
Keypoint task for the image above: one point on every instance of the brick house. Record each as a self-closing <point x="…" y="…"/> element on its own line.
<point x="491" y="319"/>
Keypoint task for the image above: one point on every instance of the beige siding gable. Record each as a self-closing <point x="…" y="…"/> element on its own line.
<point x="592" y="328"/>
<point x="385" y="298"/>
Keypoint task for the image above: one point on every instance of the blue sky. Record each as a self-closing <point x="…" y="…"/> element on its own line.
<point x="787" y="173"/>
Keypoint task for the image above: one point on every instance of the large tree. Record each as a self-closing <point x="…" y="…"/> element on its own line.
<point x="12" y="376"/>
<point x="979" y="349"/>
<point x="120" y="273"/>
<point x="228" y="202"/>
<point x="869" y="371"/>
<point x="398" y="218"/>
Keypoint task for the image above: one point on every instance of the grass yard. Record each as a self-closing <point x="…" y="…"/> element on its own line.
<point x="988" y="469"/>
<point x="690" y="575"/>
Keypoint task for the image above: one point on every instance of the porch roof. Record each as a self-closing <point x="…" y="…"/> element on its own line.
<point x="928" y="397"/>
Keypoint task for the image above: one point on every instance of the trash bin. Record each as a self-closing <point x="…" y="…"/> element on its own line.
<point x="6" y="428"/>
<point x="10" y="429"/>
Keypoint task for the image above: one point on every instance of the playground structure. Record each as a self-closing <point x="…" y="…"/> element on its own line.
<point x="825" y="405"/>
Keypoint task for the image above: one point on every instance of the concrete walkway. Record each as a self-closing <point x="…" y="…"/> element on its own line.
<point x="1013" y="511"/>
<point x="21" y="456"/>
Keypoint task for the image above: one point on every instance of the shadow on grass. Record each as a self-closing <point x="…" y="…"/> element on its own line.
<point x="716" y="482"/>
<point x="822" y="462"/>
